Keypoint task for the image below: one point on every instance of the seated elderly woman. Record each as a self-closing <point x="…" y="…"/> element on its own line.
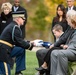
<point x="59" y="58"/>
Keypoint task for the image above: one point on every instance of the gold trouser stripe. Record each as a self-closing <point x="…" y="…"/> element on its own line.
<point x="6" y="43"/>
<point x="6" y="68"/>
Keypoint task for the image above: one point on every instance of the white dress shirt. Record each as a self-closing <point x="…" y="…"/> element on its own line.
<point x="70" y="8"/>
<point x="15" y="8"/>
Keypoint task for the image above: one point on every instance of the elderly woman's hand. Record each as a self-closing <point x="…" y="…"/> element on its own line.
<point x="51" y="46"/>
<point x="65" y="46"/>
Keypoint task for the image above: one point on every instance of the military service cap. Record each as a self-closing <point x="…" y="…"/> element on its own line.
<point x="19" y="14"/>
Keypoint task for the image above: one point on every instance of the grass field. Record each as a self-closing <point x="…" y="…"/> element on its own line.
<point x="31" y="63"/>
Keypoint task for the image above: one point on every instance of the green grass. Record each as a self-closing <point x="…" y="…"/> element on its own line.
<point x="31" y="63"/>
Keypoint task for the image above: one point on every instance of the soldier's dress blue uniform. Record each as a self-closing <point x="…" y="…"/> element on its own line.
<point x="7" y="49"/>
<point x="19" y="53"/>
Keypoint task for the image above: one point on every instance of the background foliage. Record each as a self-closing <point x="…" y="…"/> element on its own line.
<point x="40" y="15"/>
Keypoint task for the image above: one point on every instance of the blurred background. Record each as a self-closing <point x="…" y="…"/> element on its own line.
<point x="40" y="15"/>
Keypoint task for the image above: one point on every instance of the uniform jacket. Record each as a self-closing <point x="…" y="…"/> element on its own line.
<point x="18" y="41"/>
<point x="22" y="27"/>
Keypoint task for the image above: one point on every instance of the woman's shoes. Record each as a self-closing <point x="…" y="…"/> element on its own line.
<point x="41" y="69"/>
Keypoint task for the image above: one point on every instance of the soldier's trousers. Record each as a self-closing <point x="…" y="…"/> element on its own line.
<point x="4" y="68"/>
<point x="19" y="53"/>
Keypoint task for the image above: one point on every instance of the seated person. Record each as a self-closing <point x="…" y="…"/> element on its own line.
<point x="62" y="52"/>
<point x="58" y="31"/>
<point x="10" y="38"/>
<point x="40" y="54"/>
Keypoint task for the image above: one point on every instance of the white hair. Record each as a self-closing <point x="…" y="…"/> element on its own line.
<point x="6" y="5"/>
<point x="71" y="14"/>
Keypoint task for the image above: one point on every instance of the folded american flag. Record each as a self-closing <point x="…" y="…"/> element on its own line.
<point x="39" y="43"/>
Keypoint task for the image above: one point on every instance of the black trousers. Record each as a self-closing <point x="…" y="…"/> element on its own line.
<point x="40" y="54"/>
<point x="47" y="56"/>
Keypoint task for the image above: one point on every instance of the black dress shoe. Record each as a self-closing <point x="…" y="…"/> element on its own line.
<point x="40" y="69"/>
<point x="19" y="73"/>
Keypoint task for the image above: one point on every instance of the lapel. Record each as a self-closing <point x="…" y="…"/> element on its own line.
<point x="13" y="8"/>
<point x="66" y="9"/>
<point x="17" y="9"/>
<point x="70" y="35"/>
<point x="74" y="8"/>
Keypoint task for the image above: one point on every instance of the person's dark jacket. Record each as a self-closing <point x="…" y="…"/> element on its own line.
<point x="64" y="38"/>
<point x="74" y="8"/>
<point x="23" y="28"/>
<point x="63" y="23"/>
<point x="5" y="20"/>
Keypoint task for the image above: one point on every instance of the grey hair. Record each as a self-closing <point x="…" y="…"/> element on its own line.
<point x="71" y="14"/>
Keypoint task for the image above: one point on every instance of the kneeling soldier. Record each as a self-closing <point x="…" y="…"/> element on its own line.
<point x="10" y="38"/>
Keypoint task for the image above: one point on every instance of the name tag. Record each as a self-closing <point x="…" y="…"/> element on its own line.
<point x="3" y="21"/>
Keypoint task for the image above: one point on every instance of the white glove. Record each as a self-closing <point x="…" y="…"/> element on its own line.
<point x="38" y="43"/>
